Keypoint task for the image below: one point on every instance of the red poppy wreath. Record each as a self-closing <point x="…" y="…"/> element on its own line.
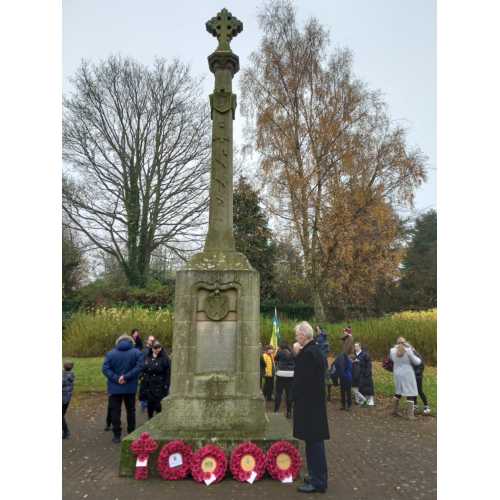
<point x="143" y="446"/>
<point x="174" y="460"/>
<point x="248" y="462"/>
<point x="209" y="464"/>
<point x="283" y="461"/>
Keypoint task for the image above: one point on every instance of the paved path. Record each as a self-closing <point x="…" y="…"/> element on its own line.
<point x="371" y="456"/>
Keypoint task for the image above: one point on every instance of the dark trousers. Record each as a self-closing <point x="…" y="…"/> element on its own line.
<point x="268" y="388"/>
<point x="316" y="464"/>
<point x="345" y="393"/>
<point x="115" y="403"/>
<point x="153" y="406"/>
<point x="64" y="424"/>
<point x="423" y="397"/>
<point x="283" y="384"/>
<point x="108" y="413"/>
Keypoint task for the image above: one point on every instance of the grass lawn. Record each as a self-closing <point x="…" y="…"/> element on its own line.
<point x="89" y="378"/>
<point x="88" y="374"/>
<point x="384" y="384"/>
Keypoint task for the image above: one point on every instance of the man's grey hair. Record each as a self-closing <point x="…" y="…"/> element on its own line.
<point x="124" y="337"/>
<point x="306" y="329"/>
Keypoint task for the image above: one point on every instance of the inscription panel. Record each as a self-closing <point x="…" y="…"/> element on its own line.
<point x="216" y="346"/>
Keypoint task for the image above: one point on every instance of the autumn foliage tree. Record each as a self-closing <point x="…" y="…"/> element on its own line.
<point x="333" y="164"/>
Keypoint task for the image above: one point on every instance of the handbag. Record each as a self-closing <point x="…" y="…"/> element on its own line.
<point x="387" y="364"/>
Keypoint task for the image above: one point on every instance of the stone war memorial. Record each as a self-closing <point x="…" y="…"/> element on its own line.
<point x="215" y="394"/>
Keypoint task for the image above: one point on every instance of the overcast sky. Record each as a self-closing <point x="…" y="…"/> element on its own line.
<point x="393" y="41"/>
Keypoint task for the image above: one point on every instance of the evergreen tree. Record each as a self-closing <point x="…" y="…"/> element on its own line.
<point x="253" y="236"/>
<point x="419" y="281"/>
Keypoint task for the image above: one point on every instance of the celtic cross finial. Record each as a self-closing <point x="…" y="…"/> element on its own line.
<point x="225" y="27"/>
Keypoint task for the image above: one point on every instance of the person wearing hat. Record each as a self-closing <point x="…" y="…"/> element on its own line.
<point x="155" y="383"/>
<point x="122" y="367"/>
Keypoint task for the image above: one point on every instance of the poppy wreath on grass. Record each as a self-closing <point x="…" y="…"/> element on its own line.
<point x="245" y="459"/>
<point x="209" y="464"/>
<point x="143" y="446"/>
<point x="283" y="460"/>
<point x="174" y="460"/>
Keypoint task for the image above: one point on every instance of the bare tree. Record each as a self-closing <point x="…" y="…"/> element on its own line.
<point x="136" y="142"/>
<point x="74" y="263"/>
<point x="323" y="138"/>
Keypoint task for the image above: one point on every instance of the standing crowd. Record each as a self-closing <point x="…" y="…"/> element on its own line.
<point x="303" y="373"/>
<point x="129" y="368"/>
<point x="350" y="370"/>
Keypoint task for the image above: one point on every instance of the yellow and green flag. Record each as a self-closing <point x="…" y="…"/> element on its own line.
<point x="275" y="336"/>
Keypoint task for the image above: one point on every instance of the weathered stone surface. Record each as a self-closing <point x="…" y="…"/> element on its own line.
<point x="215" y="393"/>
<point x="219" y="341"/>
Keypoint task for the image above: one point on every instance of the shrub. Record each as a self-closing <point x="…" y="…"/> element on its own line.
<point x="101" y="294"/>
<point x="297" y="310"/>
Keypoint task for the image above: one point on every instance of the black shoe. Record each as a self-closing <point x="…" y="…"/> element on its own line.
<point x="309" y="488"/>
<point x="307" y="480"/>
<point x="116" y="439"/>
<point x="107" y="428"/>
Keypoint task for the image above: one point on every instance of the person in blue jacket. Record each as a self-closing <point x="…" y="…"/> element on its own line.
<point x="122" y="367"/>
<point x="343" y="371"/>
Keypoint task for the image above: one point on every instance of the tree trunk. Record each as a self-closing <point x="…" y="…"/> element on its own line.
<point x="319" y="310"/>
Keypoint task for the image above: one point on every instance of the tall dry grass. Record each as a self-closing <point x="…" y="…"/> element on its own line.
<point x="94" y="333"/>
<point x="376" y="335"/>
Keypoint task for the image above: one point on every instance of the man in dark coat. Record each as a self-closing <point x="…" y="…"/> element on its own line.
<point x="310" y="421"/>
<point x="122" y="367"/>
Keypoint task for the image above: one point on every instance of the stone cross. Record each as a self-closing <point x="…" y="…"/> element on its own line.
<point x="225" y="27"/>
<point x="224" y="64"/>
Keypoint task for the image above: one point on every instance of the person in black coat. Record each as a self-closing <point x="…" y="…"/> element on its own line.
<point x="137" y="339"/>
<point x="359" y="399"/>
<point x="310" y="422"/>
<point x="419" y="376"/>
<point x="365" y="374"/>
<point x="285" y="365"/>
<point x="155" y="381"/>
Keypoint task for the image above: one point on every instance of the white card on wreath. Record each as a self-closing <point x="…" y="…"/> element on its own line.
<point x="252" y="477"/>
<point x="175" y="460"/>
<point x="287" y="479"/>
<point x="210" y="480"/>
<point x="141" y="463"/>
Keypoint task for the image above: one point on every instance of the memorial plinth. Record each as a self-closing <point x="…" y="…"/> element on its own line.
<point x="215" y="394"/>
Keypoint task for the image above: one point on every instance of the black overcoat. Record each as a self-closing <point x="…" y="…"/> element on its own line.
<point x="310" y="421"/>
<point x="155" y="381"/>
<point x="365" y="374"/>
<point x="355" y="372"/>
